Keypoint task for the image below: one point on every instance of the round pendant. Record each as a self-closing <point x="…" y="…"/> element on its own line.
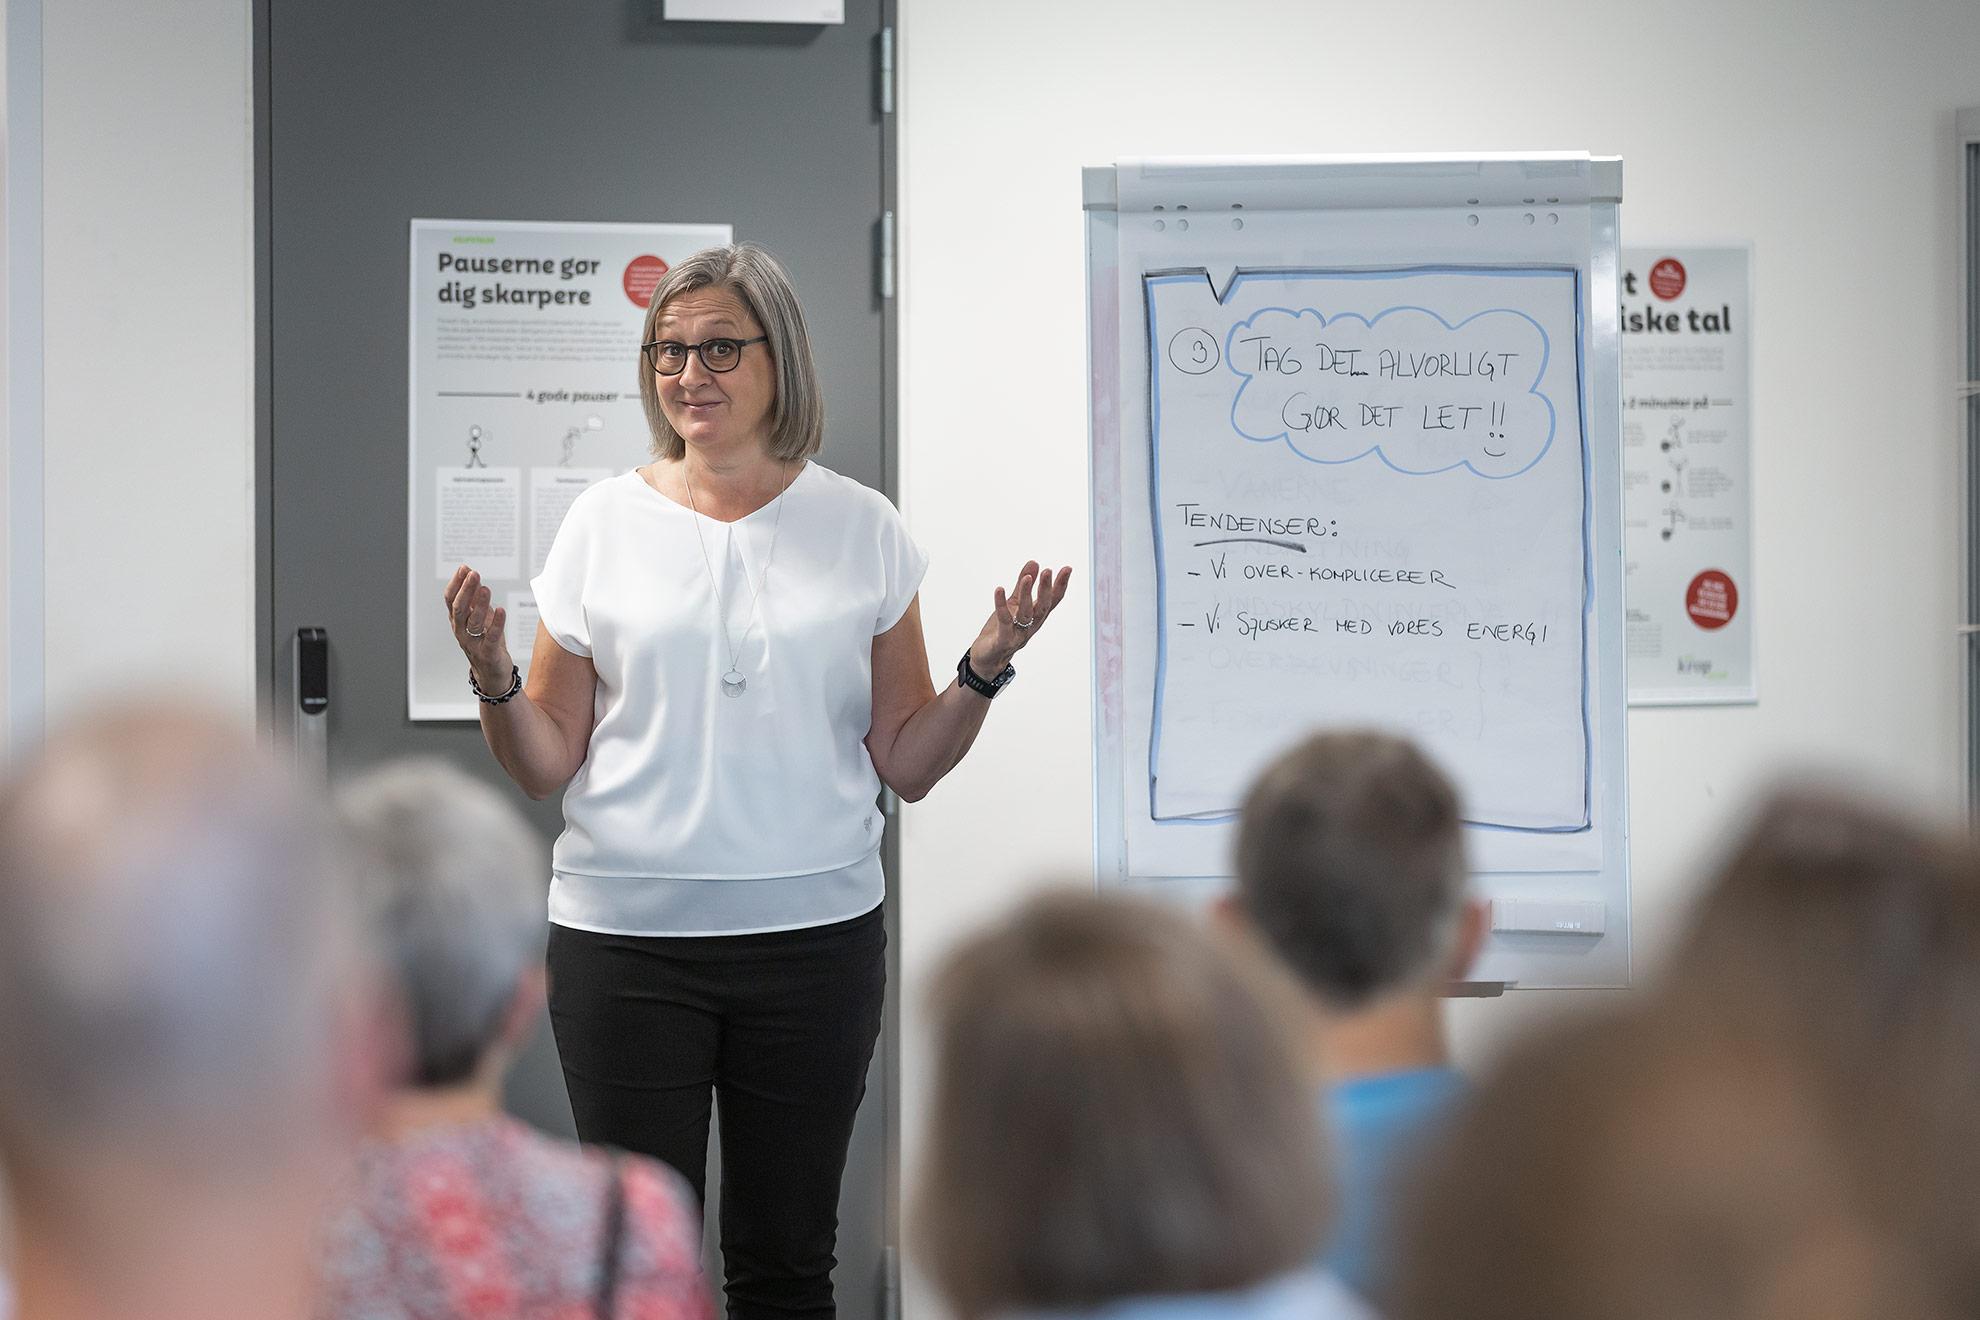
<point x="733" y="684"/>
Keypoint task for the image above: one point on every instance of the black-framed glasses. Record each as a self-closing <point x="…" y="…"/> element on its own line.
<point x="669" y="357"/>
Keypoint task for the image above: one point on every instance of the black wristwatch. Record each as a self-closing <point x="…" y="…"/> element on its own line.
<point x="989" y="688"/>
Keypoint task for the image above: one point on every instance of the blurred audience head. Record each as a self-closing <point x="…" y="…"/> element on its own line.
<point x="186" y="1042"/>
<point x="1848" y="932"/>
<point x="1119" y="1110"/>
<point x="1846" y="921"/>
<point x="1350" y="864"/>
<point x="1628" y="1170"/>
<point x="454" y="883"/>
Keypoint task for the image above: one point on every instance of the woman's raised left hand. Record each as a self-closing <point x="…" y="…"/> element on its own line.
<point x="1017" y="616"/>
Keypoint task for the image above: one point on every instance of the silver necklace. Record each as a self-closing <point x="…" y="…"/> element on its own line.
<point x="733" y="682"/>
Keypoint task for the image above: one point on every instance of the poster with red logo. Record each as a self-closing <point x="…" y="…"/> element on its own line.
<point x="522" y="389"/>
<point x="1687" y="493"/>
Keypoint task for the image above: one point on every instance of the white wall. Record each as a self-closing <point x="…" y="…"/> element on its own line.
<point x="149" y="374"/>
<point x="12" y="609"/>
<point x="1819" y="131"/>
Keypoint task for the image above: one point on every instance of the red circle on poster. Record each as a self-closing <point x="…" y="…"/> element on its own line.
<point x="642" y="274"/>
<point x="1667" y="278"/>
<point x="1711" y="600"/>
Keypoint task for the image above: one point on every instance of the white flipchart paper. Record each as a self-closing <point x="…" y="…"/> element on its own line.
<point x="1369" y="500"/>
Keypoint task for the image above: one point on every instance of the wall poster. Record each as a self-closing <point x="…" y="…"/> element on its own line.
<point x="1687" y="494"/>
<point x="522" y="389"/>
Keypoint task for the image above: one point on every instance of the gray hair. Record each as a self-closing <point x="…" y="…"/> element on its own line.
<point x="180" y="960"/>
<point x="455" y="883"/>
<point x="797" y="427"/>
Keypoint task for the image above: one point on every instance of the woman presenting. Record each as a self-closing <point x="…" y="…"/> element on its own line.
<point x="728" y="666"/>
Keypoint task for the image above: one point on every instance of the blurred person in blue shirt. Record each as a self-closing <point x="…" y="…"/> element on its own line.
<point x="1351" y="868"/>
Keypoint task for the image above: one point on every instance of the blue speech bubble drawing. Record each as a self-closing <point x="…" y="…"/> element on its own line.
<point x="1420" y="393"/>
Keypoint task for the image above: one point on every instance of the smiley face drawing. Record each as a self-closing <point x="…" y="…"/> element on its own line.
<point x="1403" y="387"/>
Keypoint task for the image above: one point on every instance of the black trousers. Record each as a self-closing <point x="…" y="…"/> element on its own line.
<point x="777" y="1029"/>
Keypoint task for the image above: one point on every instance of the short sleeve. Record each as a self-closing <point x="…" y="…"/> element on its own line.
<point x="559" y="588"/>
<point x="902" y="564"/>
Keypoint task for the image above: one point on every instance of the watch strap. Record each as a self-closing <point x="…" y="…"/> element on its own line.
<point x="989" y="687"/>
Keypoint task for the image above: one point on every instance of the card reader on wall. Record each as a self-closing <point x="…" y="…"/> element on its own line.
<point x="1533" y="916"/>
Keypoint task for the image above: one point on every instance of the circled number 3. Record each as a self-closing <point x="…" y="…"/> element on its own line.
<point x="1193" y="351"/>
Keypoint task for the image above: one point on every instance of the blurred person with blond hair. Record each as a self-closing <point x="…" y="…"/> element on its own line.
<point x="1121" y="1126"/>
<point x="1786" y="1126"/>
<point x="1623" y="1168"/>
<point x="1847" y="931"/>
<point x="188" y="1043"/>
<point x="458" y="1210"/>
<point x="1350" y="868"/>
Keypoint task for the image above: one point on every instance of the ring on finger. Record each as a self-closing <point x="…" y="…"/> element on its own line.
<point x="472" y="633"/>
<point x="1024" y="623"/>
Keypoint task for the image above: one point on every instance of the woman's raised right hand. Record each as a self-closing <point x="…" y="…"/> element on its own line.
<point x="477" y="624"/>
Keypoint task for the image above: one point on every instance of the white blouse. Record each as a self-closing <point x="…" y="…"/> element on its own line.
<point x="696" y="812"/>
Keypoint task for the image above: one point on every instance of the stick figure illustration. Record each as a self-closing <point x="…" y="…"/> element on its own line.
<point x="571" y="438"/>
<point x="474" y="448"/>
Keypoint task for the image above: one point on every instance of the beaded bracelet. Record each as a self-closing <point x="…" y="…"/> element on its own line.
<point x="515" y="686"/>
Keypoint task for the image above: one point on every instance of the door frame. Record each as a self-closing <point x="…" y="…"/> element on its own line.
<point x="1966" y="136"/>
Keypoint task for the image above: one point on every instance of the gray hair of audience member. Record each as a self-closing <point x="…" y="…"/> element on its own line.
<point x="1350" y="861"/>
<point x="1849" y="931"/>
<point x="180" y="961"/>
<point x="455" y="883"/>
<point x="760" y="282"/>
<point x="1119" y="1109"/>
<point x="1627" y="1168"/>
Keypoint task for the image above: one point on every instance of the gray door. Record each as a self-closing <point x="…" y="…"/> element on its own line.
<point x="372" y="112"/>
